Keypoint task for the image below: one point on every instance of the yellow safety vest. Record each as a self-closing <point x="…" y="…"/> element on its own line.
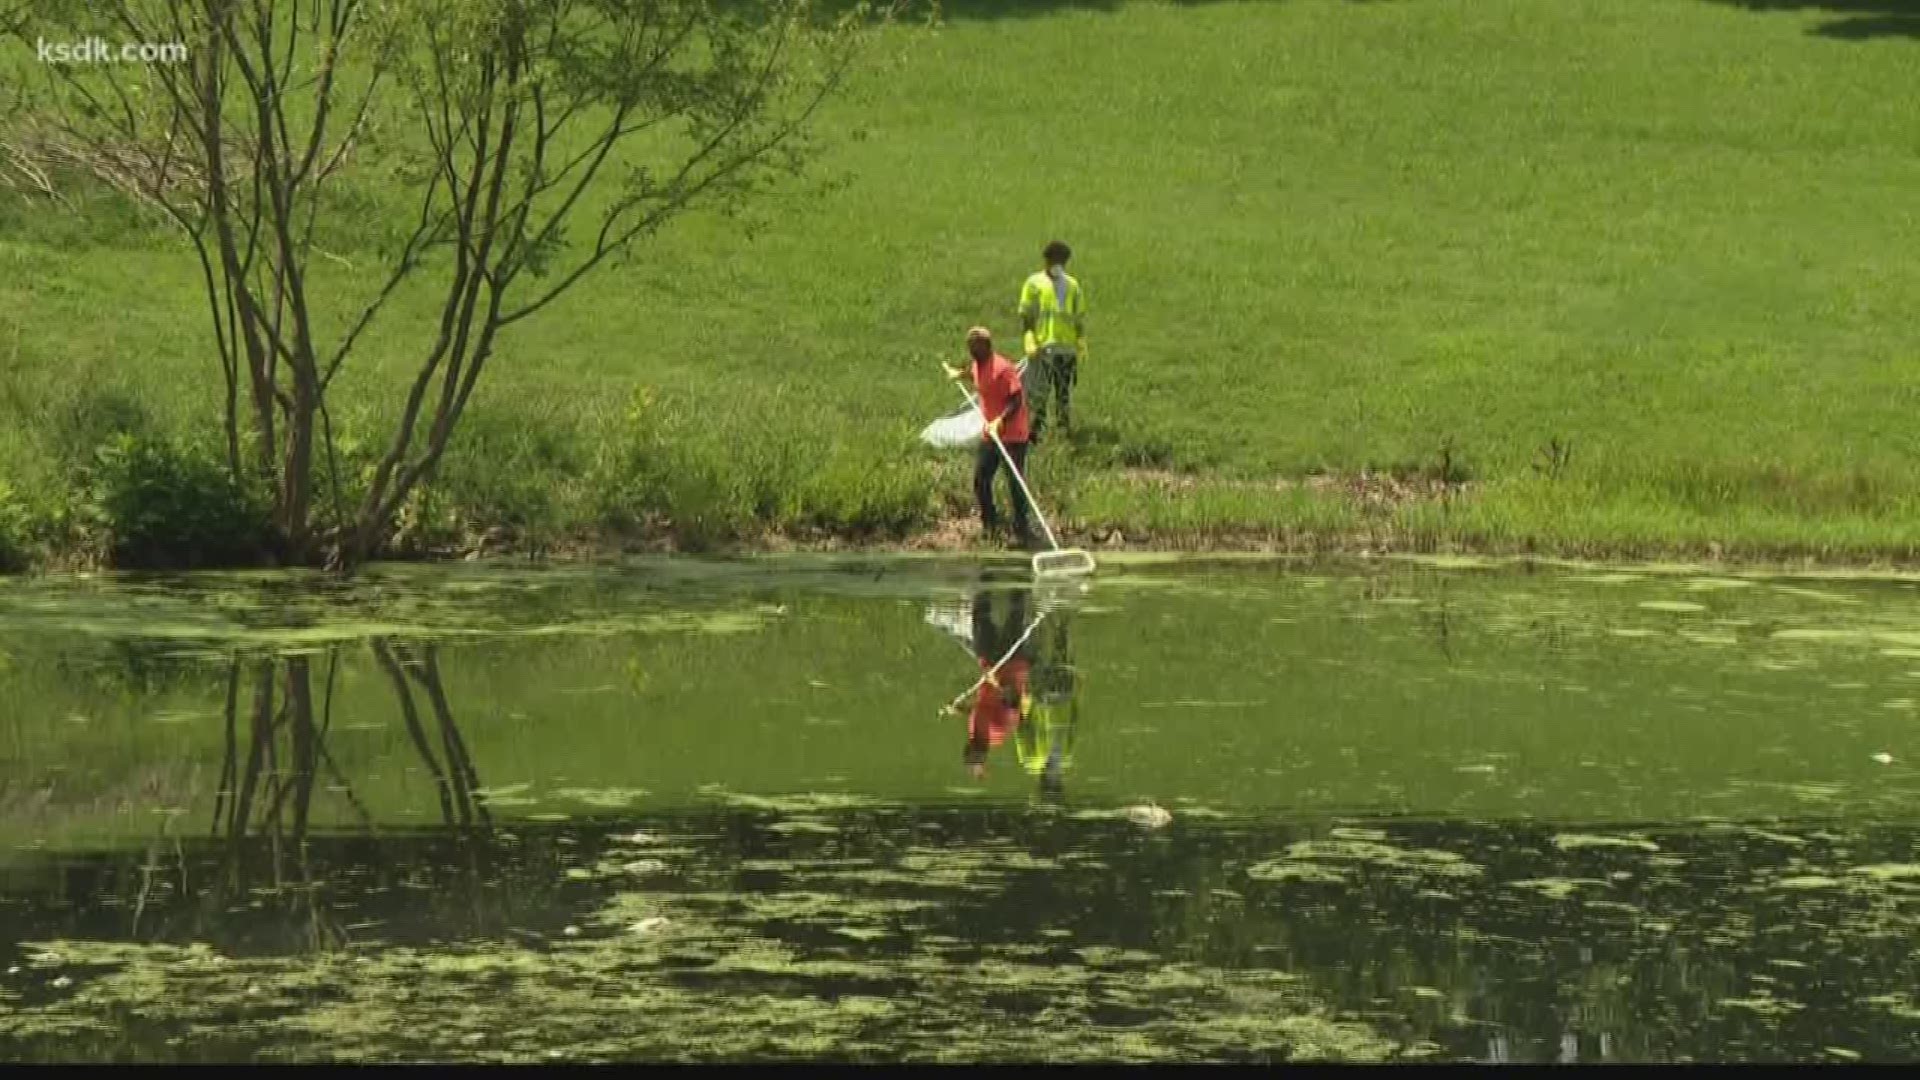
<point x="1052" y="323"/>
<point x="1037" y="737"/>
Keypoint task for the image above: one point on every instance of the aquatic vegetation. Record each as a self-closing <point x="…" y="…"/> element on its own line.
<point x="1717" y="584"/>
<point x="1372" y="855"/>
<point x="1763" y="1005"/>
<point x="1557" y="888"/>
<point x="1149" y="816"/>
<point x="1889" y="871"/>
<point x="602" y="798"/>
<point x="1290" y="869"/>
<point x="1572" y="841"/>
<point x="1385" y="823"/>
<point x="802" y="825"/>
<point x="928" y="948"/>
<point x="788" y="804"/>
<point x="262" y="613"/>
<point x="1807" y="881"/>
<point x="587" y="998"/>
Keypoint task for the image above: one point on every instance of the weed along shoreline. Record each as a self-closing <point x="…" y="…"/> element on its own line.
<point x="958" y="538"/>
<point x="1132" y="512"/>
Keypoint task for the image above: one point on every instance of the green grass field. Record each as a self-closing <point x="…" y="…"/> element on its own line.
<point x="1318" y="237"/>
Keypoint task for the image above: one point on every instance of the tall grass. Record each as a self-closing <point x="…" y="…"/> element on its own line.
<point x="1317" y="237"/>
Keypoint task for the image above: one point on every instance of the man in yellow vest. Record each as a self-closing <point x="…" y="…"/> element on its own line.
<point x="1044" y="740"/>
<point x="1053" y="312"/>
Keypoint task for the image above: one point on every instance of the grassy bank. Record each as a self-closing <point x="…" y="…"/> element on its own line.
<point x="1630" y="275"/>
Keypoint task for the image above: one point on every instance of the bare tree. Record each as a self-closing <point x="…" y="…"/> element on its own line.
<point x="536" y="120"/>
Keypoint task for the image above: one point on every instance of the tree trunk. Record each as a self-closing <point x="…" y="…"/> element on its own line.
<point x="305" y="742"/>
<point x="296" y="478"/>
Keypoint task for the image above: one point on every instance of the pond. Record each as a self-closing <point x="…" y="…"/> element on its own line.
<point x="1228" y="810"/>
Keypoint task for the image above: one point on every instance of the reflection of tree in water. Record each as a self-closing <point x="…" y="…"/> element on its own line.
<point x="276" y="757"/>
<point x="456" y="780"/>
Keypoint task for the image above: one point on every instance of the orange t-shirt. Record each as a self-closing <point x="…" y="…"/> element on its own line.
<point x="994" y="716"/>
<point x="998" y="380"/>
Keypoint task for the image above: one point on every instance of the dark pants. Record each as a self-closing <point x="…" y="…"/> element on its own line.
<point x="993" y="638"/>
<point x="1050" y="378"/>
<point x="984" y="467"/>
<point x="1054" y="679"/>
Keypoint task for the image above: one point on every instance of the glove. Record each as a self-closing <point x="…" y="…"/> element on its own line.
<point x="1030" y="343"/>
<point x="993" y="426"/>
<point x="992" y="681"/>
<point x="953" y="373"/>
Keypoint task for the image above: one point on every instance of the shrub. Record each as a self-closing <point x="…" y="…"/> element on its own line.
<point x="15" y="528"/>
<point x="165" y="504"/>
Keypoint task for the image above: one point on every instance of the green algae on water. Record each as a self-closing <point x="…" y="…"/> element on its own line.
<point x="1576" y="841"/>
<point x="1299" y="870"/>
<point x="1366" y="853"/>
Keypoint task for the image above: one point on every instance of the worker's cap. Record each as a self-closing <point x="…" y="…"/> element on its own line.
<point x="979" y="333"/>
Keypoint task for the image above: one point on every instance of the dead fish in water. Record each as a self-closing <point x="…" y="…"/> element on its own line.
<point x="1149" y="816"/>
<point x="653" y="924"/>
<point x="645" y="866"/>
<point x="1883" y="758"/>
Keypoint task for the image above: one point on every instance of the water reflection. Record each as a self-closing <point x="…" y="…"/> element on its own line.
<point x="455" y="779"/>
<point x="265" y="795"/>
<point x="1045" y="739"/>
<point x="1225" y="940"/>
<point x="1420" y="809"/>
<point x="277" y="762"/>
<point x="269" y="793"/>
<point x="1028" y="686"/>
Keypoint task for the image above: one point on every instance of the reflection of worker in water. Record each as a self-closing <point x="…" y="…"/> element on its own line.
<point x="1002" y="699"/>
<point x="1045" y="740"/>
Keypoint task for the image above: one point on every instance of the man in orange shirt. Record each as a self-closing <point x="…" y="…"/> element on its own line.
<point x="1004" y="408"/>
<point x="1004" y="696"/>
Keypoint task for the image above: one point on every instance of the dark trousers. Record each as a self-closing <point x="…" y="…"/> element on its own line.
<point x="1050" y="378"/>
<point x="984" y="467"/>
<point x="993" y="638"/>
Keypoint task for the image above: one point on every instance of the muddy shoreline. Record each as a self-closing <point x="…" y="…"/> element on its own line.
<point x="962" y="537"/>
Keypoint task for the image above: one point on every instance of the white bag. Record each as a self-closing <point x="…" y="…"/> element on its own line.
<point x="955" y="617"/>
<point x="961" y="428"/>
<point x="952" y="432"/>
